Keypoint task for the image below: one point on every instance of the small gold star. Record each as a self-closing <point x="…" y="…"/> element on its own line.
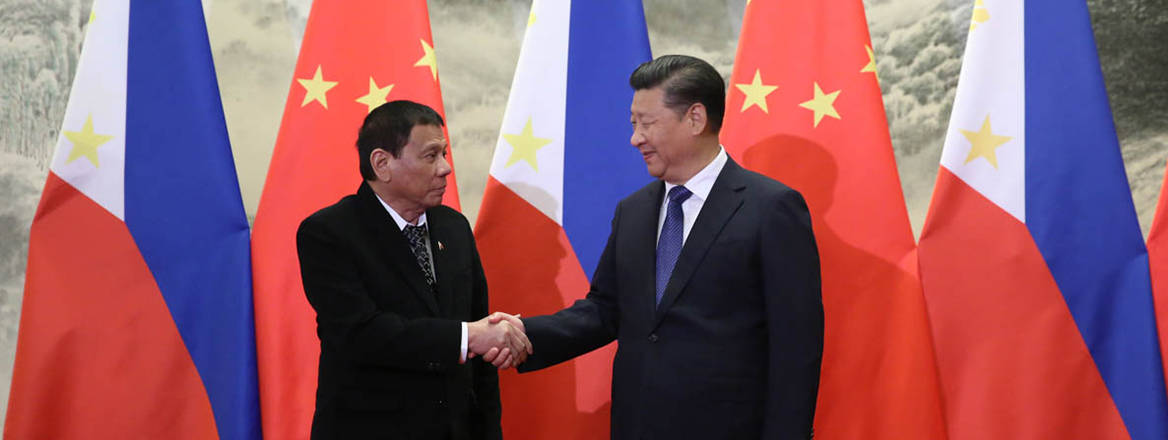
<point x="376" y="96"/>
<point x="871" y="66"/>
<point x="428" y="59"/>
<point x="756" y="92"/>
<point x="984" y="143"/>
<point x="822" y="104"/>
<point x="85" y="142"/>
<point x="980" y="15"/>
<point x="524" y="146"/>
<point x="316" y="88"/>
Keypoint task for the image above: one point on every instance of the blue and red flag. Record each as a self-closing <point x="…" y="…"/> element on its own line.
<point x="1034" y="269"/>
<point x="1158" y="259"/>
<point x="562" y="162"/>
<point x="137" y="317"/>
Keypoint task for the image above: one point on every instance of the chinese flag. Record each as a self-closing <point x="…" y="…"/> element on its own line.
<point x="1158" y="254"/>
<point x="804" y="107"/>
<point x="355" y="56"/>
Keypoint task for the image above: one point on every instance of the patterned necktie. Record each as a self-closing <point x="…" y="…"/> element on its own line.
<point x="669" y="243"/>
<point x="416" y="235"/>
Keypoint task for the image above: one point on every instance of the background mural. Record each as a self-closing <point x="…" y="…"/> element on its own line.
<point x="918" y="45"/>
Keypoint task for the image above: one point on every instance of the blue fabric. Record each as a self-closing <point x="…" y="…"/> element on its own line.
<point x="671" y="238"/>
<point x="183" y="205"/>
<point x="1079" y="211"/>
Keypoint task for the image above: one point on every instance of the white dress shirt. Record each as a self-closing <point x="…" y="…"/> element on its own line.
<point x="401" y="225"/>
<point x="700" y="185"/>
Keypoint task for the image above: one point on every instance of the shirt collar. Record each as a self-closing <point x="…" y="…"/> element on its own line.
<point x="397" y="218"/>
<point x="702" y="182"/>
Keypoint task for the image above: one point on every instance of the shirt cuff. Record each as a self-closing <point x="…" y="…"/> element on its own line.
<point x="462" y="350"/>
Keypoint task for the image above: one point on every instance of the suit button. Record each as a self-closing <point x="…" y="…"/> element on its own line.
<point x="653" y="337"/>
<point x="441" y="402"/>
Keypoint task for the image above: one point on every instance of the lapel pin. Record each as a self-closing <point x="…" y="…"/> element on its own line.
<point x="441" y="247"/>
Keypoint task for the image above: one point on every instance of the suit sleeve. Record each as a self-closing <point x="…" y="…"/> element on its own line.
<point x="588" y="324"/>
<point x="486" y="376"/>
<point x="349" y="320"/>
<point x="794" y="308"/>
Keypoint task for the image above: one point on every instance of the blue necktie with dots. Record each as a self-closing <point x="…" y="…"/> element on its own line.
<point x="669" y="243"/>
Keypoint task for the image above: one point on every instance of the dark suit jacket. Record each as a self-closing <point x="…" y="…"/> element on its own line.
<point x="734" y="349"/>
<point x="389" y="346"/>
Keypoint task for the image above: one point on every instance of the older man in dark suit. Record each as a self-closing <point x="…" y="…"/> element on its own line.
<point x="400" y="297"/>
<point x="709" y="282"/>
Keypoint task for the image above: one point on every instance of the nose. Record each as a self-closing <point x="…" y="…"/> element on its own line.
<point x="444" y="167"/>
<point x="637" y="138"/>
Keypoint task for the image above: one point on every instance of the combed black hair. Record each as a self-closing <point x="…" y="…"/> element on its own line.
<point x="388" y="127"/>
<point x="686" y="80"/>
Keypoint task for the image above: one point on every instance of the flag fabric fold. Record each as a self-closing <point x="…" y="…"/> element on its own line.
<point x="562" y="162"/>
<point x="804" y="107"/>
<point x="355" y="56"/>
<point x="137" y="316"/>
<point x="1158" y="261"/>
<point x="1034" y="269"/>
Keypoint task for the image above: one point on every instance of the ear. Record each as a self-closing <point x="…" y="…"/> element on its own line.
<point x="696" y="118"/>
<point x="380" y="161"/>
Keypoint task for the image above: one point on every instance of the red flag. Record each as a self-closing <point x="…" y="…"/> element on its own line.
<point x="355" y="56"/>
<point x="1158" y="256"/>
<point x="804" y="107"/>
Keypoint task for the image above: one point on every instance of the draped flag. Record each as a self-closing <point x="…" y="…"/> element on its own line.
<point x="356" y="55"/>
<point x="562" y="162"/>
<point x="1035" y="271"/>
<point x="137" y="319"/>
<point x="804" y="107"/>
<point x="1158" y="256"/>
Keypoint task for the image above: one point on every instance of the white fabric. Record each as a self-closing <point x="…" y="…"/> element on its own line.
<point x="700" y="185"/>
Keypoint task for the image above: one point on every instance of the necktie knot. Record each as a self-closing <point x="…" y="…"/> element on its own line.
<point x="679" y="194"/>
<point x="414" y="234"/>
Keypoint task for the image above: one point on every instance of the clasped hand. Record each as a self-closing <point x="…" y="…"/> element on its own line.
<point x="500" y="339"/>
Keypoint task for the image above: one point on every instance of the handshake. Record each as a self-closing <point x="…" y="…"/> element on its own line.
<point x="499" y="338"/>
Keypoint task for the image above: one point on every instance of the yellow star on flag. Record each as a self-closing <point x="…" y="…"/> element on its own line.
<point x="756" y="92"/>
<point x="376" y="96"/>
<point x="822" y="104"/>
<point x="524" y="146"/>
<point x="85" y="142"/>
<point x="980" y="15"/>
<point x="428" y="59"/>
<point x="984" y="143"/>
<point x="871" y="66"/>
<point x="316" y="88"/>
<point x="531" y="18"/>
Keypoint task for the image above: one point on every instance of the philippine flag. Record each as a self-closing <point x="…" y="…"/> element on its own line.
<point x="137" y="317"/>
<point x="562" y="162"/>
<point x="1034" y="269"/>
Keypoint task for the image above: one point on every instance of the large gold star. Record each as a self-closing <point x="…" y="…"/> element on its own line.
<point x="756" y="92"/>
<point x="316" y="88"/>
<point x="822" y="104"/>
<point x="428" y="59"/>
<point x="376" y="96"/>
<point x="871" y="66"/>
<point x="984" y="143"/>
<point x="524" y="146"/>
<point x="85" y="142"/>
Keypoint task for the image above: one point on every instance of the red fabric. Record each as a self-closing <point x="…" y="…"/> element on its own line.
<point x="1005" y="337"/>
<point x="1158" y="256"/>
<point x="98" y="353"/>
<point x="879" y="378"/>
<point x="314" y="164"/>
<point x="531" y="269"/>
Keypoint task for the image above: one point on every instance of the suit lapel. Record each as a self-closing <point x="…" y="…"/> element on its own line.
<point x="724" y="200"/>
<point x="443" y="269"/>
<point x="393" y="246"/>
<point x="643" y="251"/>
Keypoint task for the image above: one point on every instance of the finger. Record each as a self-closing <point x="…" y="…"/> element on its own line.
<point x="491" y="354"/>
<point x="503" y="358"/>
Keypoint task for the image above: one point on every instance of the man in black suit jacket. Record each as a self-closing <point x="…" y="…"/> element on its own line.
<point x="709" y="282"/>
<point x="396" y="282"/>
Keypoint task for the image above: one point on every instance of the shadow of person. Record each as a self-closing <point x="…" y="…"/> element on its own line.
<point x="872" y="308"/>
<point x="528" y="265"/>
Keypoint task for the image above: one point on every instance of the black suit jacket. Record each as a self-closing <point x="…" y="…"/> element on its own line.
<point x="734" y="349"/>
<point x="389" y="346"/>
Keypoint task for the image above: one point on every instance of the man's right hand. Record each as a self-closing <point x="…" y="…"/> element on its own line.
<point x="498" y="340"/>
